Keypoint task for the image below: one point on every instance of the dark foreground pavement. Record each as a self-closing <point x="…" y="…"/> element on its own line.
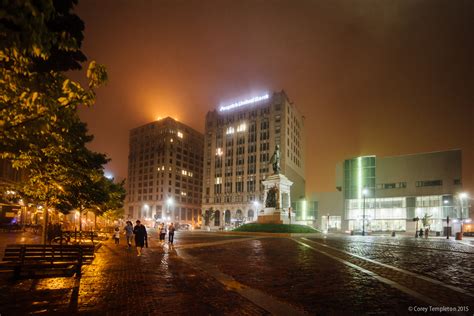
<point x="220" y="274"/>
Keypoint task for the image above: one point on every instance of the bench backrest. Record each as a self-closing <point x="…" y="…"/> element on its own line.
<point x="48" y="253"/>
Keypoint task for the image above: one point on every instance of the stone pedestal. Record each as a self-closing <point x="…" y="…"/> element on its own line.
<point x="278" y="214"/>
<point x="273" y="216"/>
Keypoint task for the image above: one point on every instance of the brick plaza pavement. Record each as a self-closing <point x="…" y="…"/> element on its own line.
<point x="222" y="274"/>
<point x="120" y="283"/>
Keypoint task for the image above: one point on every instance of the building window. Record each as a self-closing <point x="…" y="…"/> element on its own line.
<point x="228" y="187"/>
<point x="397" y="185"/>
<point x="239" y="186"/>
<point x="242" y="127"/>
<point x="430" y="183"/>
<point x="230" y="130"/>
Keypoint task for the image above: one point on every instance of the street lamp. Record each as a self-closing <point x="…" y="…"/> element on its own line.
<point x="146" y="208"/>
<point x="169" y="203"/>
<point x="255" y="205"/>
<point x="327" y="224"/>
<point x="447" y="219"/>
<point x="364" y="193"/>
<point x="462" y="197"/>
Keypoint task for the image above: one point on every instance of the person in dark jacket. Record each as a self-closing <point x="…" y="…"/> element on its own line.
<point x="140" y="237"/>
<point x="171" y="230"/>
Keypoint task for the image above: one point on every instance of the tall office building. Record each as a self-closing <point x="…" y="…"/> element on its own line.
<point x="165" y="173"/>
<point x="240" y="139"/>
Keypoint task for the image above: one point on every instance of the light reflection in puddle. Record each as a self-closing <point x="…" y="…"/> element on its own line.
<point x="55" y="284"/>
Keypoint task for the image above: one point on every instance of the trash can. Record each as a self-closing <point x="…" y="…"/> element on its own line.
<point x="393" y="234"/>
<point x="458" y="236"/>
<point x="438" y="234"/>
<point x="352" y="233"/>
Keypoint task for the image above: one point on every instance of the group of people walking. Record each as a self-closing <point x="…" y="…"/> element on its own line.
<point x="162" y="229"/>
<point x="139" y="234"/>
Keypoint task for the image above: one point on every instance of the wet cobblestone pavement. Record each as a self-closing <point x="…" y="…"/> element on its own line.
<point x="120" y="283"/>
<point x="448" y="261"/>
<point x="221" y="274"/>
<point x="296" y="274"/>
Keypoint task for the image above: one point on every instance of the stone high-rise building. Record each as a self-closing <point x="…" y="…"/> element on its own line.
<point x="165" y="173"/>
<point x="239" y="140"/>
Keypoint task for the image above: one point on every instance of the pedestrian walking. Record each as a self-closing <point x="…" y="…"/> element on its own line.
<point x="129" y="233"/>
<point x="427" y="230"/>
<point x="117" y="235"/>
<point x="421" y="232"/>
<point x="171" y="230"/>
<point x="140" y="237"/>
<point x="162" y="232"/>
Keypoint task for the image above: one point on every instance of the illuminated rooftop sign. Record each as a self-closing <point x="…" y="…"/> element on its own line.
<point x="243" y="102"/>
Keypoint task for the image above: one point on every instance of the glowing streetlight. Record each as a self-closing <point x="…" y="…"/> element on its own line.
<point x="365" y="192"/>
<point x="462" y="197"/>
<point x="447" y="220"/>
<point x="169" y="203"/>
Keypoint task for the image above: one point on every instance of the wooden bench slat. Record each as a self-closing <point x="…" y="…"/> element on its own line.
<point x="25" y="257"/>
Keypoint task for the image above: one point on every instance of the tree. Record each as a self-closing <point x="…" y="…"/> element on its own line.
<point x="40" y="130"/>
<point x="208" y="216"/>
<point x="112" y="208"/>
<point x="40" y="41"/>
<point x="426" y="220"/>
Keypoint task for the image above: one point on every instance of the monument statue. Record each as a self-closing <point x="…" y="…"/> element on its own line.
<point x="272" y="197"/>
<point x="275" y="160"/>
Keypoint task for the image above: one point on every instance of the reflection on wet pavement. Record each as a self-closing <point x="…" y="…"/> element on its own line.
<point x="210" y="273"/>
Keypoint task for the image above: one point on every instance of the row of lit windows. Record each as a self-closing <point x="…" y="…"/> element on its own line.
<point x="241" y="198"/>
<point x="396" y="185"/>
<point x="230" y="118"/>
<point x="162" y="175"/>
<point x="402" y="185"/>
<point x="159" y="146"/>
<point x="178" y="198"/>
<point x="238" y="187"/>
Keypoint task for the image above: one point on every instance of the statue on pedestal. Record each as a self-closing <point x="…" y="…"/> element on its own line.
<point x="272" y="197"/>
<point x="275" y="160"/>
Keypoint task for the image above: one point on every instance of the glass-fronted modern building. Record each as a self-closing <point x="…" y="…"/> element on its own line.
<point x="387" y="194"/>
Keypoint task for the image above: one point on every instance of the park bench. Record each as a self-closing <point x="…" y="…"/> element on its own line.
<point x="35" y="259"/>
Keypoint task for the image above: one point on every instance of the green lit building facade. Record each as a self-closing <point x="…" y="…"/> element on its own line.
<point x="386" y="194"/>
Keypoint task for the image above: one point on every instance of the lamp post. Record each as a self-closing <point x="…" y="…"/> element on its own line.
<point x="364" y="193"/>
<point x="255" y="204"/>
<point x="169" y="202"/>
<point x="146" y="208"/>
<point x="447" y="219"/>
<point x="462" y="197"/>
<point x="416" y="219"/>
<point x="327" y="226"/>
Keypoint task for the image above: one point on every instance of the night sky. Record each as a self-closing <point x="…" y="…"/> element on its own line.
<point x="370" y="76"/>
